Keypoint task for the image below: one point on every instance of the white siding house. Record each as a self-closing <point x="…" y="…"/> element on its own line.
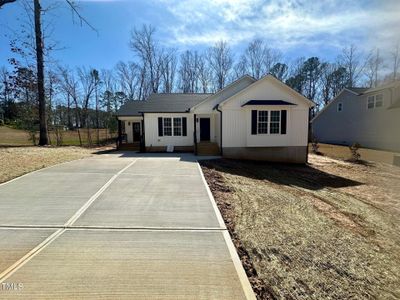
<point x="249" y="119"/>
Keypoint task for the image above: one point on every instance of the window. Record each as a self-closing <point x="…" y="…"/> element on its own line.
<point x="269" y="120"/>
<point x="262" y="123"/>
<point x="371" y="102"/>
<point x="379" y="100"/>
<point x="274" y="127"/>
<point x="177" y="126"/>
<point x="375" y="101"/>
<point x="340" y="106"/>
<point x="172" y="126"/>
<point x="167" y="127"/>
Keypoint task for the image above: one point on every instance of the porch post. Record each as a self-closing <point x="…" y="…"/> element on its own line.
<point x="119" y="139"/>
<point x="195" y="134"/>
<point x="142" y="137"/>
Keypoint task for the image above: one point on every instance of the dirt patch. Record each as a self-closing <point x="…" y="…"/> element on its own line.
<point x="326" y="230"/>
<point x="16" y="161"/>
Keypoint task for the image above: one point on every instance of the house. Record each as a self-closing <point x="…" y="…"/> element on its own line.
<point x="249" y="119"/>
<point x="370" y="117"/>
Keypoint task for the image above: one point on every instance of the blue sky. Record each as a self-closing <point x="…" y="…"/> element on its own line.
<point x="296" y="27"/>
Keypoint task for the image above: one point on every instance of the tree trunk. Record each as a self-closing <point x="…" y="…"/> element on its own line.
<point x="97" y="118"/>
<point x="43" y="138"/>
<point x="69" y="112"/>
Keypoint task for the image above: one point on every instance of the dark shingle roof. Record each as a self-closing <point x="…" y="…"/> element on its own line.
<point x="162" y="103"/>
<point x="358" y="90"/>
<point x="267" y="102"/>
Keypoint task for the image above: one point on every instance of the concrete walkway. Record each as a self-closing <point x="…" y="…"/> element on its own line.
<point x="116" y="226"/>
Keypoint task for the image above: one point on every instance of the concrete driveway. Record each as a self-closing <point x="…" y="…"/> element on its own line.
<point x="116" y="226"/>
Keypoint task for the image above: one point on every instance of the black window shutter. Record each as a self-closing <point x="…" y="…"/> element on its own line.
<point x="253" y="122"/>
<point x="283" y="121"/>
<point x="160" y="127"/>
<point x="184" y="127"/>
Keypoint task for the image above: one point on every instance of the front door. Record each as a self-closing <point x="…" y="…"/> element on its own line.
<point x="136" y="131"/>
<point x="204" y="129"/>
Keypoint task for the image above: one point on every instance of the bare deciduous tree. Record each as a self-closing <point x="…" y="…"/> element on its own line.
<point x="373" y="67"/>
<point x="168" y="70"/>
<point x="396" y="61"/>
<point x="128" y="77"/>
<point x="221" y="61"/>
<point x="351" y="59"/>
<point x="205" y="74"/>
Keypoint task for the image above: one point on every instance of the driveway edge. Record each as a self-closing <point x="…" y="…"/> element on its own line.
<point x="244" y="280"/>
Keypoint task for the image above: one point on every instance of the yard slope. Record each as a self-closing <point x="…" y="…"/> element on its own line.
<point x="16" y="161"/>
<point x="330" y="229"/>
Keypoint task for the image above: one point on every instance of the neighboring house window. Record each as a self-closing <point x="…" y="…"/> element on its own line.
<point x="167" y="127"/>
<point x="379" y="100"/>
<point x="371" y="102"/>
<point x="274" y="127"/>
<point x="262" y="123"/>
<point x="340" y="106"/>
<point x="177" y="126"/>
<point x="375" y="101"/>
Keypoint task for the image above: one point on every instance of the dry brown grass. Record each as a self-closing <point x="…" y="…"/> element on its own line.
<point x="343" y="152"/>
<point x="329" y="230"/>
<point x="16" y="137"/>
<point x="10" y="136"/>
<point x="16" y="161"/>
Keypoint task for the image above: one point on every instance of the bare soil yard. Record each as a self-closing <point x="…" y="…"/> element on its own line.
<point x="16" y="161"/>
<point x="327" y="230"/>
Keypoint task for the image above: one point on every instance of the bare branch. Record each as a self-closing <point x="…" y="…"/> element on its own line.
<point x="3" y="2"/>
<point x="81" y="18"/>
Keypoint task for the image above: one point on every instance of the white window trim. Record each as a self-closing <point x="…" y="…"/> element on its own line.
<point x="269" y="122"/>
<point x="172" y="132"/>
<point x="172" y="126"/>
<point x="374" y="101"/>
<point x="279" y="122"/>
<point x="258" y="122"/>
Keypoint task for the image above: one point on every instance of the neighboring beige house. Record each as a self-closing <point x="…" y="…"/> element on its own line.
<point x="249" y="119"/>
<point x="370" y="117"/>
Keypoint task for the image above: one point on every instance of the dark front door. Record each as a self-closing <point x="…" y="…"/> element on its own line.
<point x="204" y="129"/>
<point x="136" y="131"/>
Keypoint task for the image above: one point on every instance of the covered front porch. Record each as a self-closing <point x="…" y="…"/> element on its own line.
<point x="207" y="134"/>
<point x="130" y="133"/>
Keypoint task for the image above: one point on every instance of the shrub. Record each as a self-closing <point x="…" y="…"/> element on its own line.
<point x="355" y="155"/>
<point x="32" y="136"/>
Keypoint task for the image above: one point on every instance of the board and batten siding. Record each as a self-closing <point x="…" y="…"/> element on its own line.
<point x="151" y="130"/>
<point x="237" y="119"/>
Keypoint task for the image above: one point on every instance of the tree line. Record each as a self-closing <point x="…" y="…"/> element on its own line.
<point x="86" y="97"/>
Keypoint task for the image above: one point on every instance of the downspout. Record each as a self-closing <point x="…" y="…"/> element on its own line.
<point x="308" y="133"/>
<point x="220" y="130"/>
<point x="195" y="133"/>
<point x="143" y="140"/>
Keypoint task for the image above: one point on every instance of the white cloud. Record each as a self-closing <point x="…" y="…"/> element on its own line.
<point x="286" y="24"/>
